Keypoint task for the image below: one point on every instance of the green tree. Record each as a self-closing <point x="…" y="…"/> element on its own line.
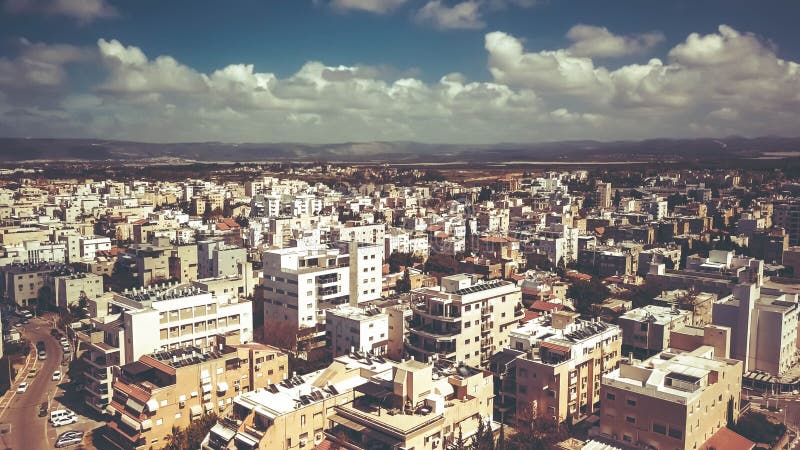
<point x="460" y="443"/>
<point x="587" y="293"/>
<point x="404" y="285"/>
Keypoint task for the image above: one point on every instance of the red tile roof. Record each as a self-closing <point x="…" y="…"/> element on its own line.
<point x="546" y="306"/>
<point x="727" y="439"/>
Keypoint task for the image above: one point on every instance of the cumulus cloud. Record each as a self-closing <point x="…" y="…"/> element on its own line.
<point x="464" y="15"/>
<point x="372" y="6"/>
<point x="84" y="11"/>
<point x="39" y="69"/>
<point x="592" y="41"/>
<point x="719" y="83"/>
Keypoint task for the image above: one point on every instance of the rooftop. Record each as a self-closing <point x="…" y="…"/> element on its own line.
<point x="661" y="315"/>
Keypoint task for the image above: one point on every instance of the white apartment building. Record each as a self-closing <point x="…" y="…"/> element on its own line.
<point x="349" y="328"/>
<point x="33" y="252"/>
<point x="297" y="280"/>
<point x="463" y="319"/>
<point x="90" y="245"/>
<point x="398" y="240"/>
<point x="764" y="327"/>
<point x="359" y="232"/>
<point x="137" y="322"/>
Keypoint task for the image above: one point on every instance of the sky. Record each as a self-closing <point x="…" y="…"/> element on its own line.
<point x="436" y="71"/>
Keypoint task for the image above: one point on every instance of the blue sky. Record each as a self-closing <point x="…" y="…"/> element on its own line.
<point x="455" y="71"/>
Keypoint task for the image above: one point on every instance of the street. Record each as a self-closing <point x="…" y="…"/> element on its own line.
<point x="19" y="412"/>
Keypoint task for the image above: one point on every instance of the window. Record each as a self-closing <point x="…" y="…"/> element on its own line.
<point x="611" y="396"/>
<point x="303" y="420"/>
<point x="675" y="433"/>
<point x="659" y="428"/>
<point x="631" y="402"/>
<point x="630" y="419"/>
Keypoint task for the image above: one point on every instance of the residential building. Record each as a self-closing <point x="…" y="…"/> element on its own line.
<point x="553" y="367"/>
<point x="646" y="330"/>
<point x="172" y="388"/>
<point x="218" y="259"/>
<point x="23" y="282"/>
<point x="350" y="328"/>
<point x="464" y="319"/>
<point x="69" y="288"/>
<point x="764" y="327"/>
<point x="672" y="400"/>
<point x="127" y="325"/>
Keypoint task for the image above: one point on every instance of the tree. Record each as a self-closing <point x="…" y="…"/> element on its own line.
<point x="587" y="293"/>
<point x="398" y="259"/>
<point x="485" y="194"/>
<point x="404" y="285"/>
<point x="459" y="443"/>
<point x="645" y="293"/>
<point x="191" y="436"/>
<point x="441" y="263"/>
<point x="468" y="238"/>
<point x="542" y="435"/>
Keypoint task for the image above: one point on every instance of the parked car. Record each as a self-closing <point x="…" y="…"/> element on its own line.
<point x="22" y="387"/>
<point x="69" y="438"/>
<point x="43" y="409"/>
<point x="59" y="414"/>
<point x="42" y="354"/>
<point x="65" y="421"/>
<point x="57" y="375"/>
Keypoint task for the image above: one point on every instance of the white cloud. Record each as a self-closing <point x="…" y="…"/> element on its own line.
<point x="464" y="15"/>
<point x="84" y="11"/>
<point x="373" y="6"/>
<point x="722" y="82"/>
<point x="592" y="41"/>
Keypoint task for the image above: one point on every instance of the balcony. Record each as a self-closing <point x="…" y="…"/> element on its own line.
<point x="486" y="311"/>
<point x="436" y="333"/>
<point x="97" y="389"/>
<point x="435" y="313"/>
<point x="101" y="376"/>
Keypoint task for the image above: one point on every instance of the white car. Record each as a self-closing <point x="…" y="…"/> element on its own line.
<point x="57" y="375"/>
<point x="22" y="387"/>
<point x="61" y="414"/>
<point x="65" y="421"/>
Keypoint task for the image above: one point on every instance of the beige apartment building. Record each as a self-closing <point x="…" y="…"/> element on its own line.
<point x="172" y="388"/>
<point x="183" y="263"/>
<point x="554" y="366"/>
<point x="464" y="319"/>
<point x="361" y="403"/>
<point x="295" y="412"/>
<point x="23" y="281"/>
<point x="674" y="400"/>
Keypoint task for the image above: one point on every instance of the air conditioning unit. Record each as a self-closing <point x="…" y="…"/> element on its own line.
<point x="436" y="442"/>
<point x="318" y="438"/>
<point x="303" y="442"/>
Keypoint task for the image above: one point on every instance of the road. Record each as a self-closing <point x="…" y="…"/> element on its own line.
<point x="28" y="430"/>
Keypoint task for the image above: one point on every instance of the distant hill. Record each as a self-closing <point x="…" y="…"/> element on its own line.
<point x="19" y="149"/>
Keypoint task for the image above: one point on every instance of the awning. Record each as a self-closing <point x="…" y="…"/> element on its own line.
<point x="222" y="386"/>
<point x="208" y="406"/>
<point x="225" y="433"/>
<point x="264" y="413"/>
<point x="246" y="440"/>
<point x="206" y="388"/>
<point x="152" y="405"/>
<point x="130" y="421"/>
<point x="147" y="424"/>
<point x="134" y="405"/>
<point x="182" y="398"/>
<point x="196" y="410"/>
<point x="347" y="423"/>
<point x="193" y="394"/>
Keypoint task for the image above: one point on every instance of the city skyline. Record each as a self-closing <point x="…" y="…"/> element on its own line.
<point x="475" y="71"/>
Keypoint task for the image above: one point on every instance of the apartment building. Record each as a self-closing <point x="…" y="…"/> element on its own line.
<point x="172" y="388"/>
<point x="127" y="325"/>
<point x="415" y="405"/>
<point x="764" y="327"/>
<point x="218" y="259"/>
<point x="22" y="282"/>
<point x="673" y="400"/>
<point x="360" y="403"/>
<point x="464" y="319"/>
<point x="33" y="252"/>
<point x="368" y="233"/>
<point x="69" y="288"/>
<point x="295" y="412"/>
<point x="553" y="365"/>
<point x="350" y="328"/>
<point x="151" y="261"/>
<point x="786" y="214"/>
<point x="646" y="330"/>
<point x="183" y="263"/>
